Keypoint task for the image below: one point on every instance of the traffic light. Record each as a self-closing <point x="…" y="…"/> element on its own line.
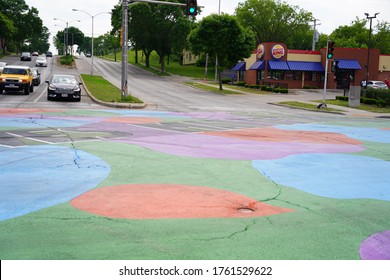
<point x="330" y="49"/>
<point x="191" y="8"/>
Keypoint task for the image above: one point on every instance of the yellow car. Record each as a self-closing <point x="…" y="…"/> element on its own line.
<point x="16" y="78"/>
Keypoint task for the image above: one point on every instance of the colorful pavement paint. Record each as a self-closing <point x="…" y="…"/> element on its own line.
<point x="154" y="201"/>
<point x="376" y="247"/>
<point x="37" y="177"/>
<point x="125" y="184"/>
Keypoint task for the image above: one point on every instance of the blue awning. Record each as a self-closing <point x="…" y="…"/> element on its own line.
<point x="258" y="65"/>
<point x="278" y="65"/>
<point x="305" y="66"/>
<point x="348" y="64"/>
<point x="239" y="66"/>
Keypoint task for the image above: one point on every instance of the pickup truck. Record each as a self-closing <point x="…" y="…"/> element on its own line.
<point x="16" y="78"/>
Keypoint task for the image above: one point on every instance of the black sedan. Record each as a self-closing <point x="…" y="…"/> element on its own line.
<point x="63" y="86"/>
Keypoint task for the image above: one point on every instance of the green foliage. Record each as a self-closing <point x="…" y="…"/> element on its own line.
<point x="230" y="36"/>
<point x="276" y="21"/>
<point x="343" y="98"/>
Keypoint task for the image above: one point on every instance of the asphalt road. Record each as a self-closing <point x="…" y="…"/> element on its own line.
<point x="196" y="175"/>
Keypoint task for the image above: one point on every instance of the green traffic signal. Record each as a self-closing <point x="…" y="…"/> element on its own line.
<point x="330" y="50"/>
<point x="191" y="8"/>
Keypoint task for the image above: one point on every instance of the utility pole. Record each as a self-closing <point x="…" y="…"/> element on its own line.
<point x="315" y="35"/>
<point x="369" y="43"/>
<point x="124" y="90"/>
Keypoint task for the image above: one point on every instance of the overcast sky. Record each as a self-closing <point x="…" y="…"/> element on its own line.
<point x="330" y="13"/>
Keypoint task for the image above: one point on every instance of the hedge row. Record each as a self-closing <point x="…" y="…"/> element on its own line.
<point x="368" y="101"/>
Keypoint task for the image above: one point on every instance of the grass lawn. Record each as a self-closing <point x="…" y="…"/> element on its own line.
<point x="308" y="106"/>
<point x="365" y="107"/>
<point x="105" y="91"/>
<point x="173" y="67"/>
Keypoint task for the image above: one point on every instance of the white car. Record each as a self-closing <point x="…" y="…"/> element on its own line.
<point x="41" y="61"/>
<point x="376" y="85"/>
<point x="2" y="65"/>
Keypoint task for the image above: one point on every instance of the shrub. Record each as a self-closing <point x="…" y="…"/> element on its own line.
<point x="240" y="84"/>
<point x="226" y="81"/>
<point x="343" y="98"/>
<point x="283" y="90"/>
<point x="368" y="101"/>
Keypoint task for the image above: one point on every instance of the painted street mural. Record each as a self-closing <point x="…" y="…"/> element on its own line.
<point x="123" y="184"/>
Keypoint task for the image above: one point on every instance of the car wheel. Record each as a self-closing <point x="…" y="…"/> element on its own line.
<point x="27" y="89"/>
<point x="32" y="88"/>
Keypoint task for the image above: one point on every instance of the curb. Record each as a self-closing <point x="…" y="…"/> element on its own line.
<point x="113" y="104"/>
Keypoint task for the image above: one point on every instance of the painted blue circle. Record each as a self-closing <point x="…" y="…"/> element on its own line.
<point x="331" y="175"/>
<point x="36" y="177"/>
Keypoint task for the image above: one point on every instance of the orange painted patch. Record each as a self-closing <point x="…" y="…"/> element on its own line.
<point x="133" y="120"/>
<point x="272" y="134"/>
<point x="155" y="201"/>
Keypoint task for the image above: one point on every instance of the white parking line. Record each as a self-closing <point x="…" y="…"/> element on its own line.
<point x="30" y="138"/>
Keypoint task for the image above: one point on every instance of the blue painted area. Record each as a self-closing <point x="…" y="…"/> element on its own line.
<point x="36" y="177"/>
<point x="38" y="122"/>
<point x="359" y="133"/>
<point x="331" y="175"/>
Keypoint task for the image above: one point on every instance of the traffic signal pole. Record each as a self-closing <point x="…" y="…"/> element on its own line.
<point x="124" y="89"/>
<point x="125" y="24"/>
<point x="329" y="55"/>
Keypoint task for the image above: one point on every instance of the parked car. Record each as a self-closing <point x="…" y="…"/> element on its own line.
<point x="2" y="65"/>
<point x="376" y="85"/>
<point x="25" y="56"/>
<point x="35" y="54"/>
<point x="63" y="86"/>
<point x="41" y="61"/>
<point x="36" y="76"/>
<point x="49" y="54"/>
<point x="88" y="55"/>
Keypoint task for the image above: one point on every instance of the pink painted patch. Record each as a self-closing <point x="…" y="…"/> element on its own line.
<point x="133" y="120"/>
<point x="156" y="201"/>
<point x="272" y="134"/>
<point x="26" y="110"/>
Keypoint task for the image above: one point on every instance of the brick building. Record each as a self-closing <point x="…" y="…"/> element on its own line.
<point x="274" y="65"/>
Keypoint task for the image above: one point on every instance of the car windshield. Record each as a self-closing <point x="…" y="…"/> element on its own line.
<point x="15" y="71"/>
<point x="64" y="79"/>
<point x="41" y="59"/>
<point x="25" y="54"/>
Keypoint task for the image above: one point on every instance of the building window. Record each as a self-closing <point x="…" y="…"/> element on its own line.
<point x="276" y="75"/>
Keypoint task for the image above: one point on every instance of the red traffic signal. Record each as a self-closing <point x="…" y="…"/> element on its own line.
<point x="330" y="50"/>
<point x="191" y="8"/>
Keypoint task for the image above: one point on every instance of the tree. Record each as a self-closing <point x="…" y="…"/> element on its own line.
<point x="222" y="35"/>
<point x="351" y="36"/>
<point x="382" y="37"/>
<point x="162" y="28"/>
<point x="7" y="29"/>
<point x="276" y="21"/>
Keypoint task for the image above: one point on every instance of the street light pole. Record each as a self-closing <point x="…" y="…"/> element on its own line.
<point x="369" y="43"/>
<point x="67" y="26"/>
<point x="92" y="20"/>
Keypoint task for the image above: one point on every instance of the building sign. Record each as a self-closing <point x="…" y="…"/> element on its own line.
<point x="260" y="51"/>
<point x="277" y="51"/>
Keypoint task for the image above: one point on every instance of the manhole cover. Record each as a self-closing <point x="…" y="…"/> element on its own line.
<point x="245" y="210"/>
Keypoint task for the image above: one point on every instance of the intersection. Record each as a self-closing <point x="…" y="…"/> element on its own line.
<point x="138" y="184"/>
